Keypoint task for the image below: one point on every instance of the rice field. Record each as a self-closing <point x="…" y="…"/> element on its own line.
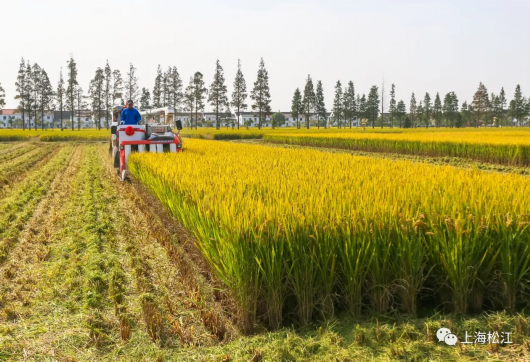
<point x="304" y="232"/>
<point x="506" y="146"/>
<point x="247" y="252"/>
<point x="7" y="135"/>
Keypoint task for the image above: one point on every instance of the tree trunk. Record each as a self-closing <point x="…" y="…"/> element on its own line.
<point x="73" y="112"/>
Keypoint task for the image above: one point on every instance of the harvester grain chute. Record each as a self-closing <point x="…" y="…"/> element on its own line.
<point x="153" y="135"/>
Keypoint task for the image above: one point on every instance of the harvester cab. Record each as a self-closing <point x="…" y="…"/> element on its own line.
<point x="155" y="135"/>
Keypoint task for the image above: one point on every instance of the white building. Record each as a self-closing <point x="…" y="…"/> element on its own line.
<point x="12" y="118"/>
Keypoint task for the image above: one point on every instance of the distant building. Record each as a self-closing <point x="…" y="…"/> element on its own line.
<point x="52" y="119"/>
<point x="290" y="121"/>
<point x="12" y="118"/>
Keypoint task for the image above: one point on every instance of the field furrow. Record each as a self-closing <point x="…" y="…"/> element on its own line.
<point x="20" y="202"/>
<point x="21" y="156"/>
<point x="71" y="286"/>
<point x="8" y="147"/>
<point x="16" y="170"/>
<point x="18" y="290"/>
<point x="99" y="274"/>
<point x="10" y="150"/>
<point x="165" y="277"/>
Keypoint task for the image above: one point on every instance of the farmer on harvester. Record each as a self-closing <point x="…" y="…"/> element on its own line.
<point x="130" y="115"/>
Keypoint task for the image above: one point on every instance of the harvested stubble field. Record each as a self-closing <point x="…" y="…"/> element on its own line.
<point x="93" y="269"/>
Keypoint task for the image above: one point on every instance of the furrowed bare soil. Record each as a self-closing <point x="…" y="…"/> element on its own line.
<point x="94" y="269"/>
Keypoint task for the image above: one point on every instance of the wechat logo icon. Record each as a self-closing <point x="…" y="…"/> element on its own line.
<point x="445" y="335"/>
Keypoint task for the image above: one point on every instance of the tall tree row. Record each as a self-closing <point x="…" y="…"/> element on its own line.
<point x="71" y="89"/>
<point x="97" y="96"/>
<point x="81" y="105"/>
<point x="61" y="97"/>
<point x="22" y="89"/>
<point x="131" y="84"/>
<point x="450" y="109"/>
<point x="107" y="94"/>
<point x="189" y="101"/>
<point x="2" y="98"/>
<point x="373" y="104"/>
<point x="167" y="90"/>
<point x="36" y="81"/>
<point x="239" y="94"/>
<point x="503" y="104"/>
<point x="117" y="87"/>
<point x="338" y="102"/>
<point x="194" y="98"/>
<point x="320" y="105"/>
<point x="36" y="96"/>
<point x="176" y="96"/>
<point x="393" y="106"/>
<point x="46" y="96"/>
<point x="437" y="110"/>
<point x="519" y="106"/>
<point x="401" y="112"/>
<point x="426" y="109"/>
<point x="296" y="107"/>
<point x="217" y="95"/>
<point x="349" y="104"/>
<point x="157" y="89"/>
<point x="145" y="100"/>
<point x="481" y="104"/>
<point x="261" y="94"/>
<point x="413" y="107"/>
<point x="309" y="100"/>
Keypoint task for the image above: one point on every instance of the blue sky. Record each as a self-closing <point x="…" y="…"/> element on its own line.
<point x="421" y="46"/>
